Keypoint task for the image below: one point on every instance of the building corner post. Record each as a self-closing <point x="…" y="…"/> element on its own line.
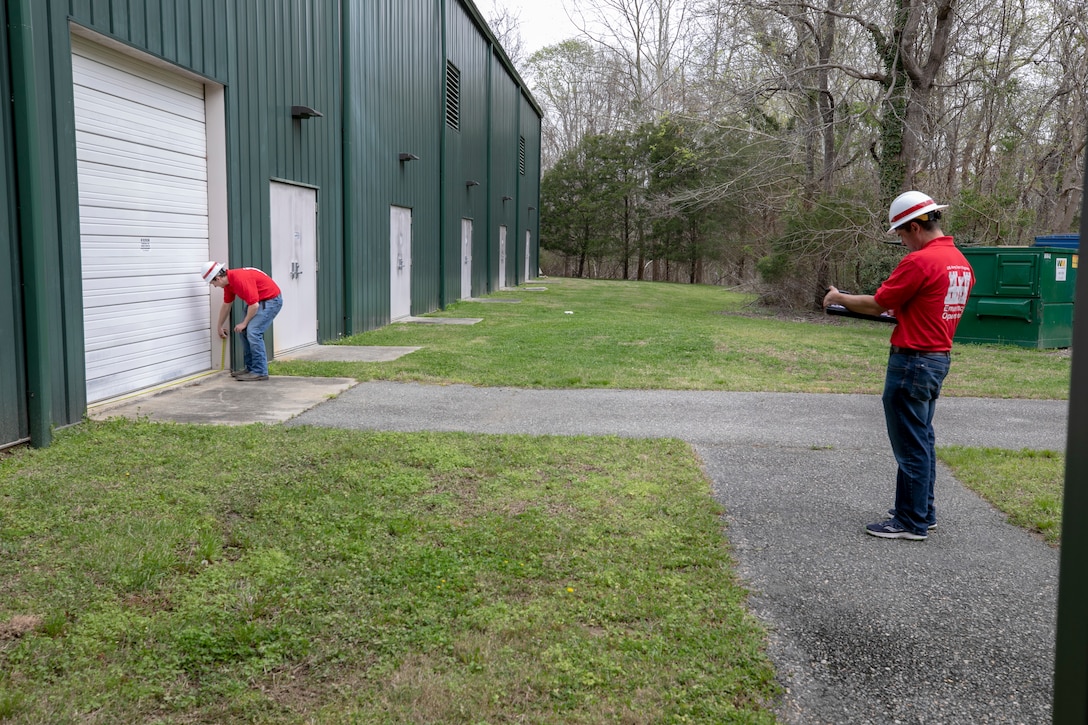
<point x="32" y="242"/>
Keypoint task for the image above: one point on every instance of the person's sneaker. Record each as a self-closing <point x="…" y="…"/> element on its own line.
<point x="891" y="529"/>
<point x="891" y="514"/>
<point x="236" y="373"/>
<point x="249" y="377"/>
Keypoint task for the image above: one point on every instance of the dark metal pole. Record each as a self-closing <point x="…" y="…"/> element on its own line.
<point x="32" y="242"/>
<point x="1071" y="655"/>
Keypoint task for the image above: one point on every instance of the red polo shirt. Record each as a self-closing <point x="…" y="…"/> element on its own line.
<point x="927" y="293"/>
<point x="250" y="284"/>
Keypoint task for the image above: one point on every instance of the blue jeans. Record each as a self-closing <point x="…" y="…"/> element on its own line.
<point x="253" y="353"/>
<point x="912" y="385"/>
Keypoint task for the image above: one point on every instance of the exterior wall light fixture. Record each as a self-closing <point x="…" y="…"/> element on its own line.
<point x="304" y="112"/>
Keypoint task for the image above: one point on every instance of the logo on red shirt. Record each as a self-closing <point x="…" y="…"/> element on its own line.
<point x="959" y="287"/>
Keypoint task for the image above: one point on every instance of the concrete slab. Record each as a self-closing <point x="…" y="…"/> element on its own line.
<point x="219" y="399"/>
<point x="347" y="353"/>
<point x="440" y="320"/>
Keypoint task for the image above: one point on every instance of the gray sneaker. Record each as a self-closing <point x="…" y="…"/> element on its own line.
<point x="892" y="529"/>
<point x="250" y="377"/>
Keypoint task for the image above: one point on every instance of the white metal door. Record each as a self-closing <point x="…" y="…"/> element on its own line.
<point x="466" y="258"/>
<point x="528" y="247"/>
<point x="502" y="257"/>
<point x="294" y="264"/>
<point x="142" y="170"/>
<point x="400" y="280"/>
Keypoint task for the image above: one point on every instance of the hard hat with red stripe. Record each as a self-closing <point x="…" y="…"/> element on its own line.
<point x="912" y="205"/>
<point x="211" y="270"/>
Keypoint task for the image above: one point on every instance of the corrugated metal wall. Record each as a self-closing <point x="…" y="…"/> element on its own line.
<point x="48" y="237"/>
<point x="397" y="52"/>
<point x="269" y="55"/>
<point x="466" y="150"/>
<point x="285" y="53"/>
<point x="505" y="106"/>
<point x="392" y="58"/>
<point x="374" y="68"/>
<point x="529" y="190"/>
<point x="13" y="412"/>
<point x="190" y="33"/>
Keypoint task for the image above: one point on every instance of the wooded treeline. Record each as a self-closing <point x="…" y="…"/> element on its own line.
<point x="759" y="142"/>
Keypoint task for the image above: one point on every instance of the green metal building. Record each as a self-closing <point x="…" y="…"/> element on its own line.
<point x="380" y="158"/>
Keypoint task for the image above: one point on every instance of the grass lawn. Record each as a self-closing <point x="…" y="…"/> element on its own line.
<point x="642" y="335"/>
<point x="181" y="574"/>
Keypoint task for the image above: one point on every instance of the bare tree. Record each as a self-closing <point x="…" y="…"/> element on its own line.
<point x="1060" y="120"/>
<point x="579" y="90"/>
<point x="810" y="115"/>
<point x="651" y="42"/>
<point x="506" y="25"/>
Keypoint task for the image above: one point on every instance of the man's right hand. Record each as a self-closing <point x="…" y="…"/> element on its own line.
<point x="828" y="297"/>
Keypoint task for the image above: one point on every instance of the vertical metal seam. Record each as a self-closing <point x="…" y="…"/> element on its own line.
<point x="348" y="172"/>
<point x="443" y="189"/>
<point x="536" y="185"/>
<point x="490" y="159"/>
<point x="518" y="268"/>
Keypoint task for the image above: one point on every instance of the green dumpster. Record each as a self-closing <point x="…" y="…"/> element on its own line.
<point x="1022" y="296"/>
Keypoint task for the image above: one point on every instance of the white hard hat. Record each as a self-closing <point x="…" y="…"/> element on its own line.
<point x="211" y="270"/>
<point x="910" y="205"/>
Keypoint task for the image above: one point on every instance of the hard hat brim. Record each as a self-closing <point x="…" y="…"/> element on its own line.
<point x="914" y="215"/>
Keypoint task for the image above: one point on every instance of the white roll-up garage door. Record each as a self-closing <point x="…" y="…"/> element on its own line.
<point x="141" y="151"/>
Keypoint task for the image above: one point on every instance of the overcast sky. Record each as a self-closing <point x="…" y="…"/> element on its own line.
<point x="543" y="22"/>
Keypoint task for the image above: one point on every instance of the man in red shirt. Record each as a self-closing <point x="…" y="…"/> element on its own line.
<point x="927" y="293"/>
<point x="263" y="302"/>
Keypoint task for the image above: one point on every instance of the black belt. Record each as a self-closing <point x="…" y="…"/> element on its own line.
<point x="908" y="351"/>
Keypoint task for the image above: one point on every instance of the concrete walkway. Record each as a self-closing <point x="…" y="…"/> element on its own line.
<point x="956" y="629"/>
